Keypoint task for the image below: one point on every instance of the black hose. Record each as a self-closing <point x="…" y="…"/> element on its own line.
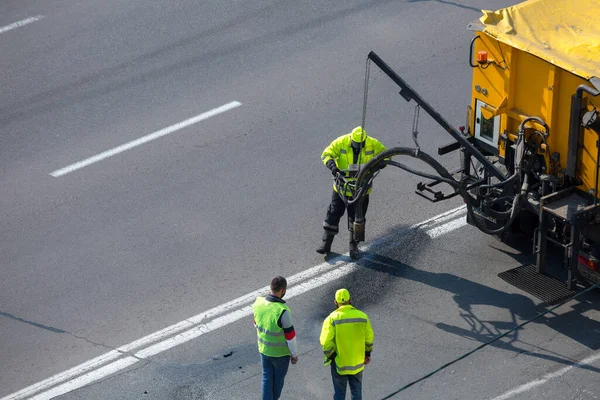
<point x="342" y="188"/>
<point x="536" y="119"/>
<point x="419" y="173"/>
<point x="499" y="199"/>
<point x="540" y="134"/>
<point x="503" y="215"/>
<point x="358" y="194"/>
<point x="384" y="157"/>
<point x="512" y="178"/>
<point x="375" y="164"/>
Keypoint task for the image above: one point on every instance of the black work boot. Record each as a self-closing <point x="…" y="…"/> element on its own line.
<point x="325" y="246"/>
<point x="354" y="252"/>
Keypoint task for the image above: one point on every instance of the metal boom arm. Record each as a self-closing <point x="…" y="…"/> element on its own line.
<point x="409" y="94"/>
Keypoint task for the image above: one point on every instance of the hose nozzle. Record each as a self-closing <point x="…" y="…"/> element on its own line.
<point x="358" y="231"/>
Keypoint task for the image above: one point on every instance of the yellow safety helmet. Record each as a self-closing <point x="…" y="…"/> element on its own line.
<point x="342" y="296"/>
<point x="358" y="134"/>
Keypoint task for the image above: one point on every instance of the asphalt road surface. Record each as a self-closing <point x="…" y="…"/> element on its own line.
<point x="161" y="163"/>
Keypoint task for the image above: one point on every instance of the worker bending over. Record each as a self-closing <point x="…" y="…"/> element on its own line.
<point x="346" y="155"/>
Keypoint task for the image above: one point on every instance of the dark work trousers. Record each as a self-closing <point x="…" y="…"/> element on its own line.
<point x="336" y="211"/>
<point x="341" y="382"/>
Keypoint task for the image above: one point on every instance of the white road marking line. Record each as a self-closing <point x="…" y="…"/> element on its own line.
<point x="447" y="227"/>
<point x="422" y="226"/>
<point x="223" y="308"/>
<point x="164" y="333"/>
<point x="450" y="216"/>
<point x="241" y="313"/>
<point x="546" y="378"/>
<point x="188" y="329"/>
<point x="87" y="378"/>
<point x="145" y="139"/>
<point x="20" y="23"/>
<point x="240" y="301"/>
<point x="443" y="217"/>
<point x="63" y="376"/>
<point x="186" y="336"/>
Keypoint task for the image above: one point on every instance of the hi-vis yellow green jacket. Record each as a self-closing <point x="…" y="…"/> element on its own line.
<point x="271" y="338"/>
<point x="347" y="337"/>
<point x="341" y="151"/>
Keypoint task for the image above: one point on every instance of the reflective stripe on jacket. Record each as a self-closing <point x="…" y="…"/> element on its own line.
<point x="271" y="338"/>
<point x="347" y="336"/>
<point x="341" y="151"/>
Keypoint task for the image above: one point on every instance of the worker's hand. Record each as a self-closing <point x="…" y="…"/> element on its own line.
<point x="294" y="360"/>
<point x="367" y="360"/>
<point x="333" y="168"/>
<point x="335" y="171"/>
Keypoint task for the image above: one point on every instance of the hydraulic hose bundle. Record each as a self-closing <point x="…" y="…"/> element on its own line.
<point x="511" y="190"/>
<point x="365" y="177"/>
<point x="525" y="151"/>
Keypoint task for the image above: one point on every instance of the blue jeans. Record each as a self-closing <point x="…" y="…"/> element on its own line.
<point x="274" y="370"/>
<point x="341" y="381"/>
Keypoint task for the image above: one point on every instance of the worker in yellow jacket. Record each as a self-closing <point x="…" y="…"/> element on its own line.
<point x="347" y="341"/>
<point x="346" y="155"/>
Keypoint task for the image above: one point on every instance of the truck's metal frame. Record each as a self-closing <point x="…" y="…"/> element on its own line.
<point x="466" y="143"/>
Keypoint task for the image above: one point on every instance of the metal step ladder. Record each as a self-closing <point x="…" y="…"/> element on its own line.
<point x="569" y="206"/>
<point x="546" y="288"/>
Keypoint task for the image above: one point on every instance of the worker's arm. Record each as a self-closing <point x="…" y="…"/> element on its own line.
<point x="289" y="332"/>
<point x="327" y="339"/>
<point x="369" y="336"/>
<point x="378" y="147"/>
<point x="332" y="152"/>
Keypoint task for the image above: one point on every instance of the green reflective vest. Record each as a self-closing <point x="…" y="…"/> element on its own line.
<point x="271" y="339"/>
<point x="347" y="332"/>
<point x="341" y="151"/>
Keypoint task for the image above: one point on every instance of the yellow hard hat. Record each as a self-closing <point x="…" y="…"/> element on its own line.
<point x="342" y="296"/>
<point x="359" y="135"/>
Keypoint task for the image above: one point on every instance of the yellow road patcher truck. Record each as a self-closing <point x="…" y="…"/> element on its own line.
<point x="530" y="147"/>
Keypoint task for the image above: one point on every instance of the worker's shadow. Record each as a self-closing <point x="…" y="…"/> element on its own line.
<point x="467" y="294"/>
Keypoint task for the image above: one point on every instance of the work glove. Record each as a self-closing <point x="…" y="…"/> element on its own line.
<point x="334" y="169"/>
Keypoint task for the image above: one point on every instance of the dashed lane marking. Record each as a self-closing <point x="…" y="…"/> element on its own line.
<point x="144" y="139"/>
<point x="21" y="23"/>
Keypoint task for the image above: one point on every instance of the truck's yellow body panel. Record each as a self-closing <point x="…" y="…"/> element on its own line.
<point x="538" y="53"/>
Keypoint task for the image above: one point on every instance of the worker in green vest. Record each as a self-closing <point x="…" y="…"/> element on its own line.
<point x="276" y="338"/>
<point x="346" y="156"/>
<point x="347" y="342"/>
